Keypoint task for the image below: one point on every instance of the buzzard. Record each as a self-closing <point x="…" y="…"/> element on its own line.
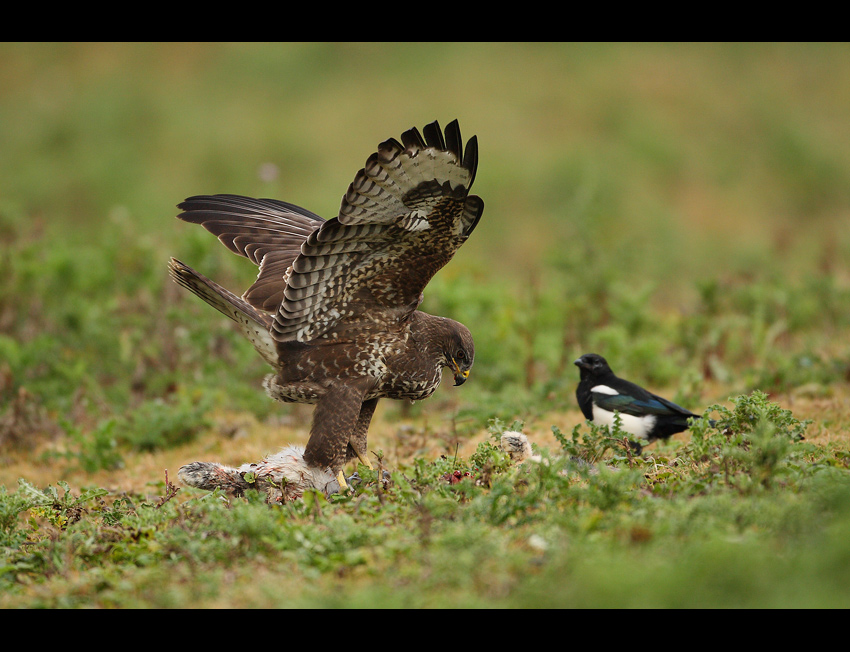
<point x="334" y="307"/>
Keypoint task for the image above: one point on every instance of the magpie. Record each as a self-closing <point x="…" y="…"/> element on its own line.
<point x="643" y="415"/>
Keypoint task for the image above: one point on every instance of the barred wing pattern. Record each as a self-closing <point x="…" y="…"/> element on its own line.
<point x="266" y="231"/>
<point x="401" y="220"/>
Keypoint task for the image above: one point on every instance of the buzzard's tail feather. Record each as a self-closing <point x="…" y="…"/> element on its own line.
<point x="253" y="325"/>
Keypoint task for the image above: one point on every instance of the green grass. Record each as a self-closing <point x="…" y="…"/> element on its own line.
<point x="746" y="515"/>
<point x="681" y="209"/>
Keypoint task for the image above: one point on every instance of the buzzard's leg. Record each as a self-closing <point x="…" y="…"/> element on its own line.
<point x="334" y="421"/>
<point x="357" y="441"/>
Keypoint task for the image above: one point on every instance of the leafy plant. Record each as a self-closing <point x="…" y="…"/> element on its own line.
<point x="749" y="445"/>
<point x="161" y="424"/>
<point x="589" y="442"/>
<point x="94" y="450"/>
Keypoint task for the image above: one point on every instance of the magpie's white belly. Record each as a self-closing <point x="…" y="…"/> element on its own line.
<point x="636" y="426"/>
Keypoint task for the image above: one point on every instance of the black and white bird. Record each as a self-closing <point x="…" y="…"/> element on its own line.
<point x="644" y="415"/>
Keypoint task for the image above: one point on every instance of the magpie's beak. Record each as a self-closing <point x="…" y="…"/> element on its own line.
<point x="581" y="363"/>
<point x="460" y="375"/>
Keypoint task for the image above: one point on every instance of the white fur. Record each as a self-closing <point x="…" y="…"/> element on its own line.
<point x="516" y="445"/>
<point x="283" y="476"/>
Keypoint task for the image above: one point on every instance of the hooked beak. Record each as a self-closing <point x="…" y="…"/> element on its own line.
<point x="460" y="376"/>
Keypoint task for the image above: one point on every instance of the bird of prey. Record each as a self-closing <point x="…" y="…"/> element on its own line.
<point x="334" y="309"/>
<point x="643" y="415"/>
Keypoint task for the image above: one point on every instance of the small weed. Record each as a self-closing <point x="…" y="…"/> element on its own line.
<point x="749" y="446"/>
<point x="591" y="444"/>
<point x="48" y="505"/>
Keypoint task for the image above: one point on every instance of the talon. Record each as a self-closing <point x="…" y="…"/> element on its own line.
<point x="363" y="459"/>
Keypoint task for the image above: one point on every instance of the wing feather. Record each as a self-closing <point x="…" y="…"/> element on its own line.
<point x="651" y="404"/>
<point x="267" y="232"/>
<point x="403" y="217"/>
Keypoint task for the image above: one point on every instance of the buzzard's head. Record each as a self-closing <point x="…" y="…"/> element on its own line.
<point x="459" y="351"/>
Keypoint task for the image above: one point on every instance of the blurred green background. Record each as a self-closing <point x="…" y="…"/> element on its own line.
<point x="679" y="208"/>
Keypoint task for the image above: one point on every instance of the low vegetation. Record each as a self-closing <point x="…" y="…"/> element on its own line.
<point x="746" y="514"/>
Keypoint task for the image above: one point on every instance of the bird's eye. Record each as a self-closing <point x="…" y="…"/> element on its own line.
<point x="460" y="355"/>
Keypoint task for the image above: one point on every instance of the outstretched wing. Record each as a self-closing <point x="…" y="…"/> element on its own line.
<point x="403" y="217"/>
<point x="266" y="231"/>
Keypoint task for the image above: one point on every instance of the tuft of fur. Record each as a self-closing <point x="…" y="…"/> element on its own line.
<point x="284" y="476"/>
<point x="516" y="445"/>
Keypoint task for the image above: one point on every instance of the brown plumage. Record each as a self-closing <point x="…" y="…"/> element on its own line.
<point x="334" y="306"/>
